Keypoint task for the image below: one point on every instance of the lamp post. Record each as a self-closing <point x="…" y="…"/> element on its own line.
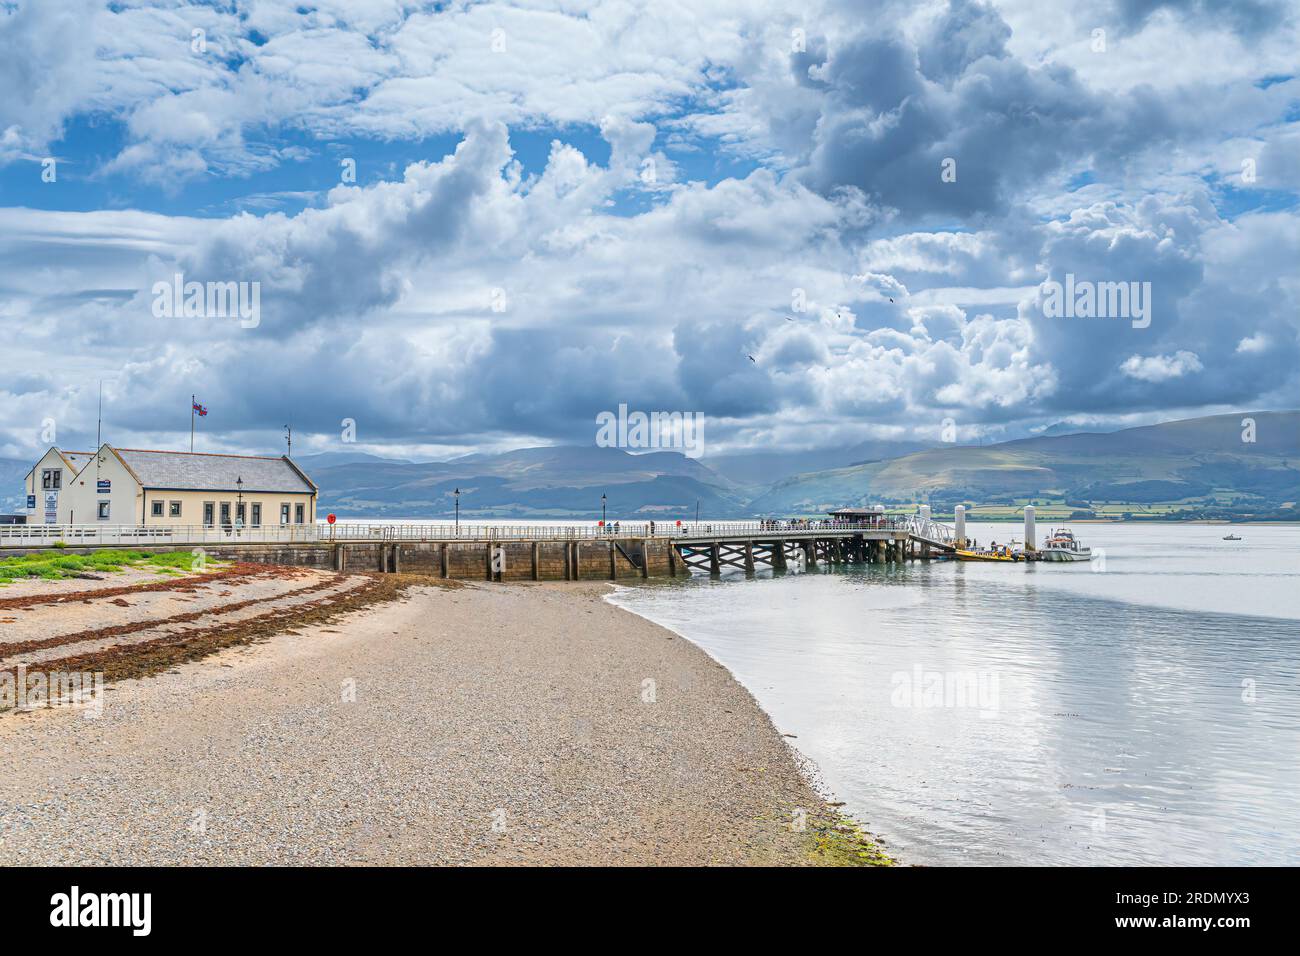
<point x="456" y="495"/>
<point x="239" y="503"/>
<point x="604" y="527"/>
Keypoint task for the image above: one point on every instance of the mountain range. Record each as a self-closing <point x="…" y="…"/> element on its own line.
<point x="1224" y="465"/>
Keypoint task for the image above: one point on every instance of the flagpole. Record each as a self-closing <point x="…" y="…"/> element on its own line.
<point x="191" y="424"/>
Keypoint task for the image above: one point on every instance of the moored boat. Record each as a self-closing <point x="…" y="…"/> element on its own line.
<point x="996" y="553"/>
<point x="1062" y="545"/>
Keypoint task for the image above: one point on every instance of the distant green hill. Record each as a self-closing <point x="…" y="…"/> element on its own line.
<point x="550" y="482"/>
<point x="1193" y="459"/>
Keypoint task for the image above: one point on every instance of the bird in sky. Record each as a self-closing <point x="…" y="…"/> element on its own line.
<point x="754" y="360"/>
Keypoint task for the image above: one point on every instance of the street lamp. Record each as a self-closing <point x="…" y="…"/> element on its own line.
<point x="602" y="513"/>
<point x="456" y="494"/>
<point x="239" y="503"/>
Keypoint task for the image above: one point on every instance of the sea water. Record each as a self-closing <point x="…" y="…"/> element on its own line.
<point x="1140" y="708"/>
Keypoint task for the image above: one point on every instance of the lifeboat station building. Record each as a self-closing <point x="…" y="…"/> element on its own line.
<point x="141" y="488"/>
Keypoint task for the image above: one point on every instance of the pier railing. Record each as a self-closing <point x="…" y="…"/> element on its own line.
<point x="95" y="535"/>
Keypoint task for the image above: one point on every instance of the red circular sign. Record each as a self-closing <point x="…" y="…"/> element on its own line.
<point x="600" y="524"/>
<point x="330" y="518"/>
<point x="679" y="522"/>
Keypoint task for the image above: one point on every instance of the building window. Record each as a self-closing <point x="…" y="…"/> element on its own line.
<point x="51" y="479"/>
<point x="103" y="510"/>
<point x="241" y="514"/>
<point x="225" y="514"/>
<point x="297" y="514"/>
<point x="155" y="509"/>
<point x="209" y="511"/>
<point x="257" y="514"/>
<point x="284" y="514"/>
<point x="175" y="510"/>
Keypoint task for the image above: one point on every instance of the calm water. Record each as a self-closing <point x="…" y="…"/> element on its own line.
<point x="1147" y="712"/>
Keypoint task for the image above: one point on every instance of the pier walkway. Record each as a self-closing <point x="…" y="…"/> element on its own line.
<point x="551" y="551"/>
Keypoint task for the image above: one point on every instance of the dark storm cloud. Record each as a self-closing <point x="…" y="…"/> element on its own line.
<point x="895" y="110"/>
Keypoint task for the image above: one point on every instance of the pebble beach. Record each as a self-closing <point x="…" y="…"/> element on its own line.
<point x="476" y="724"/>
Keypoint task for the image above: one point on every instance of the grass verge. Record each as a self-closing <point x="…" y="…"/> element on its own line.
<point x="56" y="565"/>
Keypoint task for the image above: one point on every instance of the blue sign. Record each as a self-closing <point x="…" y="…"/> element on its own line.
<point x="31" y="501"/>
<point x="104" y="486"/>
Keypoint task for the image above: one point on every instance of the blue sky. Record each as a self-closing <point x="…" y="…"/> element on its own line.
<point x="813" y="226"/>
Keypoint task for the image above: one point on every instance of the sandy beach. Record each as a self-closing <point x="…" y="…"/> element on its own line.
<point x="322" y="721"/>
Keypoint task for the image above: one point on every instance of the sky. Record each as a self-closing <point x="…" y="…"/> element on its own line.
<point x="469" y="227"/>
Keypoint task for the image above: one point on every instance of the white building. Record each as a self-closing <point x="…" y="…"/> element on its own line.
<point x="143" y="488"/>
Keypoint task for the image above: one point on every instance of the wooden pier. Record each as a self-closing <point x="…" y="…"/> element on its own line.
<point x="528" y="552"/>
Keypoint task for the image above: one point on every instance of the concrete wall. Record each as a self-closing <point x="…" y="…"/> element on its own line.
<point x="598" y="560"/>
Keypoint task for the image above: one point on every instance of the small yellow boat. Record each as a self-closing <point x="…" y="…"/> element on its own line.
<point x="1009" y="557"/>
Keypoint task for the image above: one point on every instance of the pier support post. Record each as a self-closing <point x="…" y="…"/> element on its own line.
<point x="645" y="557"/>
<point x="959" y="526"/>
<point x="442" y="558"/>
<point x="338" y="557"/>
<point x="809" y="553"/>
<point x="715" y="566"/>
<point x="778" y="555"/>
<point x="749" y="557"/>
<point x="613" y="568"/>
<point x="397" y="559"/>
<point x="536" y="546"/>
<point x="672" y="560"/>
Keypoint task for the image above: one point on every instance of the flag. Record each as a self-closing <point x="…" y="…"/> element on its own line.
<point x="200" y="409"/>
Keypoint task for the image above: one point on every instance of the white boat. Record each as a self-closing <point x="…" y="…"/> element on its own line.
<point x="1063" y="546"/>
<point x="1231" y="537"/>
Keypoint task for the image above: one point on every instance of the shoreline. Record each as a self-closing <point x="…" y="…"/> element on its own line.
<point x="517" y="724"/>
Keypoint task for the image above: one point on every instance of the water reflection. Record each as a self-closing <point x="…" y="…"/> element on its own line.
<point x="1133" y="724"/>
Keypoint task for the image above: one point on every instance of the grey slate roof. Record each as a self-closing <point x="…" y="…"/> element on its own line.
<point x="196" y="471"/>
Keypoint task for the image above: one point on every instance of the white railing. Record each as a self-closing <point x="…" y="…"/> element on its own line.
<point x="81" y="536"/>
<point x="928" y="528"/>
<point x="97" y="535"/>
